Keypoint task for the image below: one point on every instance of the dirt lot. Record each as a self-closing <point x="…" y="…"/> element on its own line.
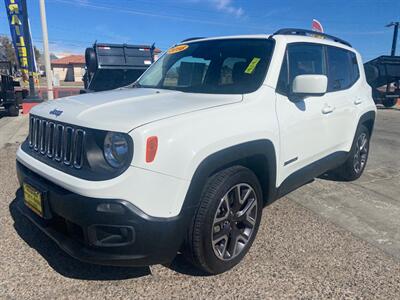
<point x="326" y="240"/>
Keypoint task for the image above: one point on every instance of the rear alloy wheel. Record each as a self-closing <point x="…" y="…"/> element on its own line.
<point x="355" y="164"/>
<point x="227" y="220"/>
<point x="361" y="153"/>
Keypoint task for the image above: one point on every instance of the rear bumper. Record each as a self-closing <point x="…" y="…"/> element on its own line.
<point x="103" y="231"/>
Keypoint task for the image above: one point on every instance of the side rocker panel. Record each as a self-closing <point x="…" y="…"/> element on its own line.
<point x="317" y="168"/>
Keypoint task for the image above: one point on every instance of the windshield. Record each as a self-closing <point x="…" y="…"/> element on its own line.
<point x="227" y="66"/>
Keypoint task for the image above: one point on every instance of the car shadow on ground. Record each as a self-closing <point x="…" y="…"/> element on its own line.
<point x="182" y="266"/>
<point x="70" y="267"/>
<point x="331" y="177"/>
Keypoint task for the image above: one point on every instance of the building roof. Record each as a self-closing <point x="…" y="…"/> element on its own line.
<point x="70" y="59"/>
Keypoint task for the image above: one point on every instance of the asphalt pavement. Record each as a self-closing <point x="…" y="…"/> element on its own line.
<point x="326" y="240"/>
<point x="368" y="207"/>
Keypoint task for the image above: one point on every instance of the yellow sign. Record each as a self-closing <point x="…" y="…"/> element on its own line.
<point x="33" y="199"/>
<point x="177" y="49"/>
<point x="252" y="65"/>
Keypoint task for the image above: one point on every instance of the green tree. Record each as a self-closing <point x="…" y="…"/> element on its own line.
<point x="7" y="49"/>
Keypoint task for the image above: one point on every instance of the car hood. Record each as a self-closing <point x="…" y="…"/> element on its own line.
<point x="127" y="108"/>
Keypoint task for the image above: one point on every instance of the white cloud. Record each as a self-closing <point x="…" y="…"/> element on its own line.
<point x="228" y="7"/>
<point x="225" y="6"/>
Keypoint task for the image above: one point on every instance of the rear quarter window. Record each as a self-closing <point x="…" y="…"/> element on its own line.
<point x="343" y="69"/>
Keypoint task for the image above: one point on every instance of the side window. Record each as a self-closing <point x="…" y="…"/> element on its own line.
<point x="305" y="59"/>
<point x="342" y="69"/>
<point x="300" y="59"/>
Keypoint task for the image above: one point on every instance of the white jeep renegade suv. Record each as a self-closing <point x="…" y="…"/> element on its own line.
<point x="184" y="159"/>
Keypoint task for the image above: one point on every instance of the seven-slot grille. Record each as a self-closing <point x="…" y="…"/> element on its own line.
<point x="57" y="141"/>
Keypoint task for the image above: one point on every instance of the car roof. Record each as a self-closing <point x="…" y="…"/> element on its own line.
<point x="278" y="37"/>
<point x="247" y="36"/>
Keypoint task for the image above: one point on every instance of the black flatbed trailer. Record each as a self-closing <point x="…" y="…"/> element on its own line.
<point x="383" y="75"/>
<point x="110" y="66"/>
<point x="10" y="97"/>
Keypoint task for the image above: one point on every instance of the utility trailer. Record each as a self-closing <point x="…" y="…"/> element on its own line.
<point x="110" y="66"/>
<point x="383" y="75"/>
<point x="10" y="97"/>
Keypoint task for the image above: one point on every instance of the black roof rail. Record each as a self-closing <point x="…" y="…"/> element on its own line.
<point x="192" y="39"/>
<point x="306" y="32"/>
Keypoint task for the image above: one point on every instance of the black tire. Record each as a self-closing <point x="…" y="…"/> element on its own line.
<point x="91" y="60"/>
<point x="13" y="110"/>
<point x="348" y="170"/>
<point x="202" y="253"/>
<point x="389" y="102"/>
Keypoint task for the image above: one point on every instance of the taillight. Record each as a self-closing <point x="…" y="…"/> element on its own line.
<point x="151" y="148"/>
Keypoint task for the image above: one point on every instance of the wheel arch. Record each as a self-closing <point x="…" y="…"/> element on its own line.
<point x="368" y="120"/>
<point x="259" y="156"/>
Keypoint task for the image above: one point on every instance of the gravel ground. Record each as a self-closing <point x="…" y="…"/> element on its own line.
<point x="297" y="254"/>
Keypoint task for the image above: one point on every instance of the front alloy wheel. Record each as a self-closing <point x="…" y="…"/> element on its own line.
<point x="227" y="220"/>
<point x="234" y="221"/>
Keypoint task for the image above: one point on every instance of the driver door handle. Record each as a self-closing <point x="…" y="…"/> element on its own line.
<point x="327" y="109"/>
<point x="358" y="101"/>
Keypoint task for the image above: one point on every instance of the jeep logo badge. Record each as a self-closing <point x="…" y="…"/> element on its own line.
<point x="56" y="112"/>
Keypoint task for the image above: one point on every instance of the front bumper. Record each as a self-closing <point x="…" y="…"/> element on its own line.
<point x="104" y="231"/>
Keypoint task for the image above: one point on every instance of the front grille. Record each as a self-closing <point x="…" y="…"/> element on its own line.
<point x="57" y="141"/>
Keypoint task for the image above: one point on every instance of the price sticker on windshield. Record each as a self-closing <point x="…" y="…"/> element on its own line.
<point x="252" y="65"/>
<point x="177" y="49"/>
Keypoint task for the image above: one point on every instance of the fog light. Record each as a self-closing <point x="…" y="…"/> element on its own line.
<point x="111" y="235"/>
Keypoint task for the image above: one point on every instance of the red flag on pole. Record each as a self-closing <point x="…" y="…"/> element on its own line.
<point x="317" y="26"/>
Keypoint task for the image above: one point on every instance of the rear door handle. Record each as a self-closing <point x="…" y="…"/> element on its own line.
<point x="327" y="109"/>
<point x="358" y="101"/>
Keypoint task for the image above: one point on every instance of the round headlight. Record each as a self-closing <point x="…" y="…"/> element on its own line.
<point x="116" y="149"/>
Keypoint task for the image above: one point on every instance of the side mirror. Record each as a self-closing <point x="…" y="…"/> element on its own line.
<point x="310" y="85"/>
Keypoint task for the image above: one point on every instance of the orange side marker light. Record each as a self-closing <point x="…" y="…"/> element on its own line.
<point x="151" y="148"/>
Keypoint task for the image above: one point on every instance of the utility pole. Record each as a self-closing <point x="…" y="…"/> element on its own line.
<point x="49" y="75"/>
<point x="395" y="33"/>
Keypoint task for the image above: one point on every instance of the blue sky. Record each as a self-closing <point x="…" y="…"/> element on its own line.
<point x="76" y="24"/>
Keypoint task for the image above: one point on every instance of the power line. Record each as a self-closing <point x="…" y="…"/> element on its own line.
<point x="128" y="10"/>
<point x="151" y="14"/>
